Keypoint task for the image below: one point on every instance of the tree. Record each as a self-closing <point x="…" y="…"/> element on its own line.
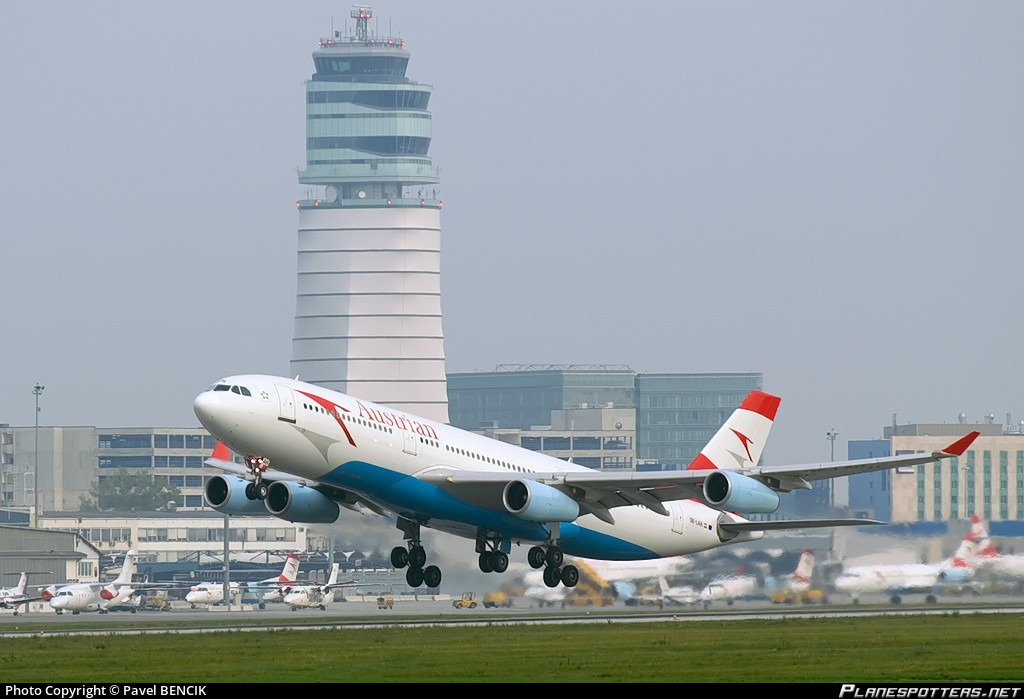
<point x="123" y="492"/>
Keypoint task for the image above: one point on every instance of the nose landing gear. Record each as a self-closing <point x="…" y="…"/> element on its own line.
<point x="257" y="465"/>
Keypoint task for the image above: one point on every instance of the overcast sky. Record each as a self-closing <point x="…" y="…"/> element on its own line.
<point x="829" y="193"/>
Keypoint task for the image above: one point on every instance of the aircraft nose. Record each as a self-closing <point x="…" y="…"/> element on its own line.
<point x="205" y="406"/>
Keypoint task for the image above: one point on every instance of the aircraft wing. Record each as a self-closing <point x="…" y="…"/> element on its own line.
<point x="597" y="492"/>
<point x="787" y="478"/>
<point x="17" y="602"/>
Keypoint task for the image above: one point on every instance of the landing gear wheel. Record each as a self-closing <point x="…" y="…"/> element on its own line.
<point x="499" y="562"/>
<point x="554" y="557"/>
<point x="262" y="489"/>
<point x="432" y="576"/>
<point x="399" y="557"/>
<point x="414" y="576"/>
<point x="417" y="557"/>
<point x="486" y="562"/>
<point x="552" y="576"/>
<point x="535" y="557"/>
<point x="250" y="491"/>
<point x="570" y="575"/>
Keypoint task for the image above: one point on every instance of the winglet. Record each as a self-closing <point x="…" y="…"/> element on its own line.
<point x="220" y="451"/>
<point x="960" y="446"/>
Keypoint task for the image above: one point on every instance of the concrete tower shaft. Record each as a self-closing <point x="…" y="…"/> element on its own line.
<point x="368" y="304"/>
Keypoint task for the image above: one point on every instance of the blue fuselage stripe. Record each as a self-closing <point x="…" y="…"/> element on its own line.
<point x="422" y="502"/>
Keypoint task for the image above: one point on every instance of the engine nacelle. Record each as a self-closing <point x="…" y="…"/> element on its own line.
<point x="227" y="494"/>
<point x="299" y="503"/>
<point x="538" y="502"/>
<point x="727" y="490"/>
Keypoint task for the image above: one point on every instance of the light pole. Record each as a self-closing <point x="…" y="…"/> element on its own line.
<point x="36" y="391"/>
<point x="831" y="437"/>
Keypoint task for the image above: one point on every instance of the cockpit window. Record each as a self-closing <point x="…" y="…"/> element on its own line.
<point x="234" y="389"/>
<point x="245" y="391"/>
<point x="222" y="387"/>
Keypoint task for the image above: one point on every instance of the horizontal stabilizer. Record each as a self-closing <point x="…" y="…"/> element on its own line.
<point x="793" y="524"/>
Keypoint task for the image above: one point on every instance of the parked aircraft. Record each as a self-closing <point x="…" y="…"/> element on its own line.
<point x="627" y="580"/>
<point x="329" y="450"/>
<point x="269" y="589"/>
<point x="98" y="596"/>
<point x="729" y="588"/>
<point x="929" y="579"/>
<point x="686" y="595"/>
<point x="15" y="597"/>
<point x="1005" y="566"/>
<point x="318" y="596"/>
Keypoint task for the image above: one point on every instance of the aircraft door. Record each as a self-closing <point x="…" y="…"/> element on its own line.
<point x="678" y="520"/>
<point x="286" y="401"/>
<point x="410" y="442"/>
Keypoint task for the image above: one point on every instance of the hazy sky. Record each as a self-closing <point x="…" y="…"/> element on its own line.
<point x="829" y="193"/>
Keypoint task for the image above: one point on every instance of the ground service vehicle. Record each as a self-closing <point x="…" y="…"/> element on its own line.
<point x="497" y="599"/>
<point x="385" y="602"/>
<point x="812" y="595"/>
<point x="467" y="601"/>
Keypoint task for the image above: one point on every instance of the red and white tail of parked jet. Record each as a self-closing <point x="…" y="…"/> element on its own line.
<point x="308" y="451"/>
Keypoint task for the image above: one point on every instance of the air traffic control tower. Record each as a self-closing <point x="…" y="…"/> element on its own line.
<point x="368" y="305"/>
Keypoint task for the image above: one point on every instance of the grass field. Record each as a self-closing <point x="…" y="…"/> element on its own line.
<point x="942" y="648"/>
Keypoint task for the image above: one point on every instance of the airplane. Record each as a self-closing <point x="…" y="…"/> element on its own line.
<point x="15" y="597"/>
<point x="626" y="579"/>
<point x="729" y="588"/>
<point x="990" y="561"/>
<point x="206" y="594"/>
<point x="98" y="596"/>
<point x="685" y="595"/>
<point x="330" y="450"/>
<point x="899" y="579"/>
<point x="318" y="596"/>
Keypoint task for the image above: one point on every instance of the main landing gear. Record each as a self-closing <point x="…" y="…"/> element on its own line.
<point x="414" y="557"/>
<point x="550" y="559"/>
<point x="257" y="490"/>
<point x="492" y="558"/>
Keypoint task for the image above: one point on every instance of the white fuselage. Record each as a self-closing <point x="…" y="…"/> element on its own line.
<point x="730" y="588"/>
<point x="206" y="594"/>
<point x="308" y="596"/>
<point x="84" y="597"/>
<point x="14" y="596"/>
<point x="889" y="578"/>
<point x="1004" y="566"/>
<point x="382" y="455"/>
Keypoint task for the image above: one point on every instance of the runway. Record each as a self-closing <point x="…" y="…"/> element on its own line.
<point x="413" y="613"/>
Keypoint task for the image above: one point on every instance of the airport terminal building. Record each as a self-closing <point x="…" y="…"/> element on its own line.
<point x="606" y="417"/>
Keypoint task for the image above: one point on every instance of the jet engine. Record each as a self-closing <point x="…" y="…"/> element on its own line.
<point x="727" y="490"/>
<point x="227" y="494"/>
<point x="538" y="502"/>
<point x="299" y="503"/>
